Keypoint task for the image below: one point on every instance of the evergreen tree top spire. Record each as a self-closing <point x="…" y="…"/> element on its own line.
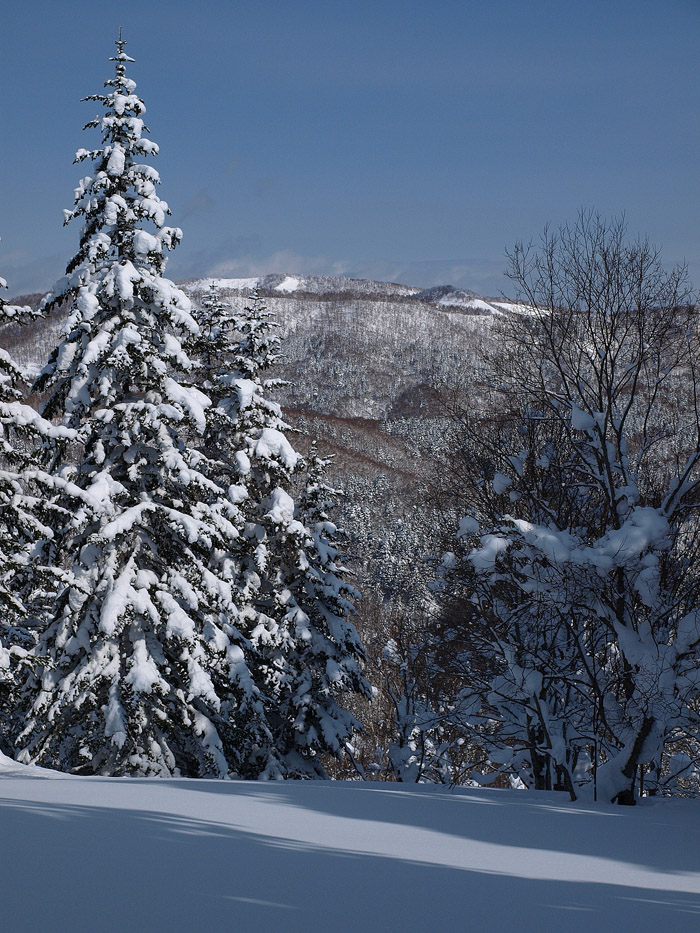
<point x="121" y="57"/>
<point x="117" y="201"/>
<point x="114" y="281"/>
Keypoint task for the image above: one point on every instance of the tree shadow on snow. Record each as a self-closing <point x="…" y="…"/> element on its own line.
<point x="527" y="819"/>
<point x="86" y="868"/>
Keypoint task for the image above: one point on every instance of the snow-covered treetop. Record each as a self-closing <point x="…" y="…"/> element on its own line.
<point x="120" y="194"/>
<point x="125" y="318"/>
<point x="259" y="347"/>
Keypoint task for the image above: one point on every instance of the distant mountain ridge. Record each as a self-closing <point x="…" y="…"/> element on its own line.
<point x="364" y="289"/>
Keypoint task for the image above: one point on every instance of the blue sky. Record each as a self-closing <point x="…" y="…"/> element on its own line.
<point x="393" y="139"/>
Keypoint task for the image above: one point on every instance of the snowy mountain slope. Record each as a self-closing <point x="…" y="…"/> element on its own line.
<point x="31" y="343"/>
<point x="87" y="854"/>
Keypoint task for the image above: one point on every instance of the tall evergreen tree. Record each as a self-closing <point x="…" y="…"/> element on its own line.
<point x="27" y="582"/>
<point x="16" y="525"/>
<point x="292" y="589"/>
<point x="316" y="602"/>
<point x="192" y="579"/>
<point x="145" y="669"/>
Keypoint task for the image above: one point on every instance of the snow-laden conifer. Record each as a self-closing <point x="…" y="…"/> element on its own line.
<point x="294" y="596"/>
<point x="27" y="581"/>
<point x="320" y="651"/>
<point x="15" y="531"/>
<point x="145" y="670"/>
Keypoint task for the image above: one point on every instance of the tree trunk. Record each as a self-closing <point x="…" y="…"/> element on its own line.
<point x="626" y="796"/>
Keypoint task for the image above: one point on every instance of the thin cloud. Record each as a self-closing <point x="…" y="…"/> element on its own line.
<point x="281" y="261"/>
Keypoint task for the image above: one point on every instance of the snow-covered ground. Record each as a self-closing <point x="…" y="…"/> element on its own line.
<point x="100" y="854"/>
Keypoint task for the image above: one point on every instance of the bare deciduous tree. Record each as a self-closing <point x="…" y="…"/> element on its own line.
<point x="578" y="555"/>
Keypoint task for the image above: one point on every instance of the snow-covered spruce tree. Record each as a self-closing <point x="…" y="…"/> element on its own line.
<point x="294" y="596"/>
<point x="28" y="583"/>
<point x="579" y="626"/>
<point x="323" y="660"/>
<point x="145" y="670"/>
<point x="18" y="527"/>
<point x="14" y="527"/>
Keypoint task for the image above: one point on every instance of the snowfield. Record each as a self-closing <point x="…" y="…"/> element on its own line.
<point x="84" y="855"/>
